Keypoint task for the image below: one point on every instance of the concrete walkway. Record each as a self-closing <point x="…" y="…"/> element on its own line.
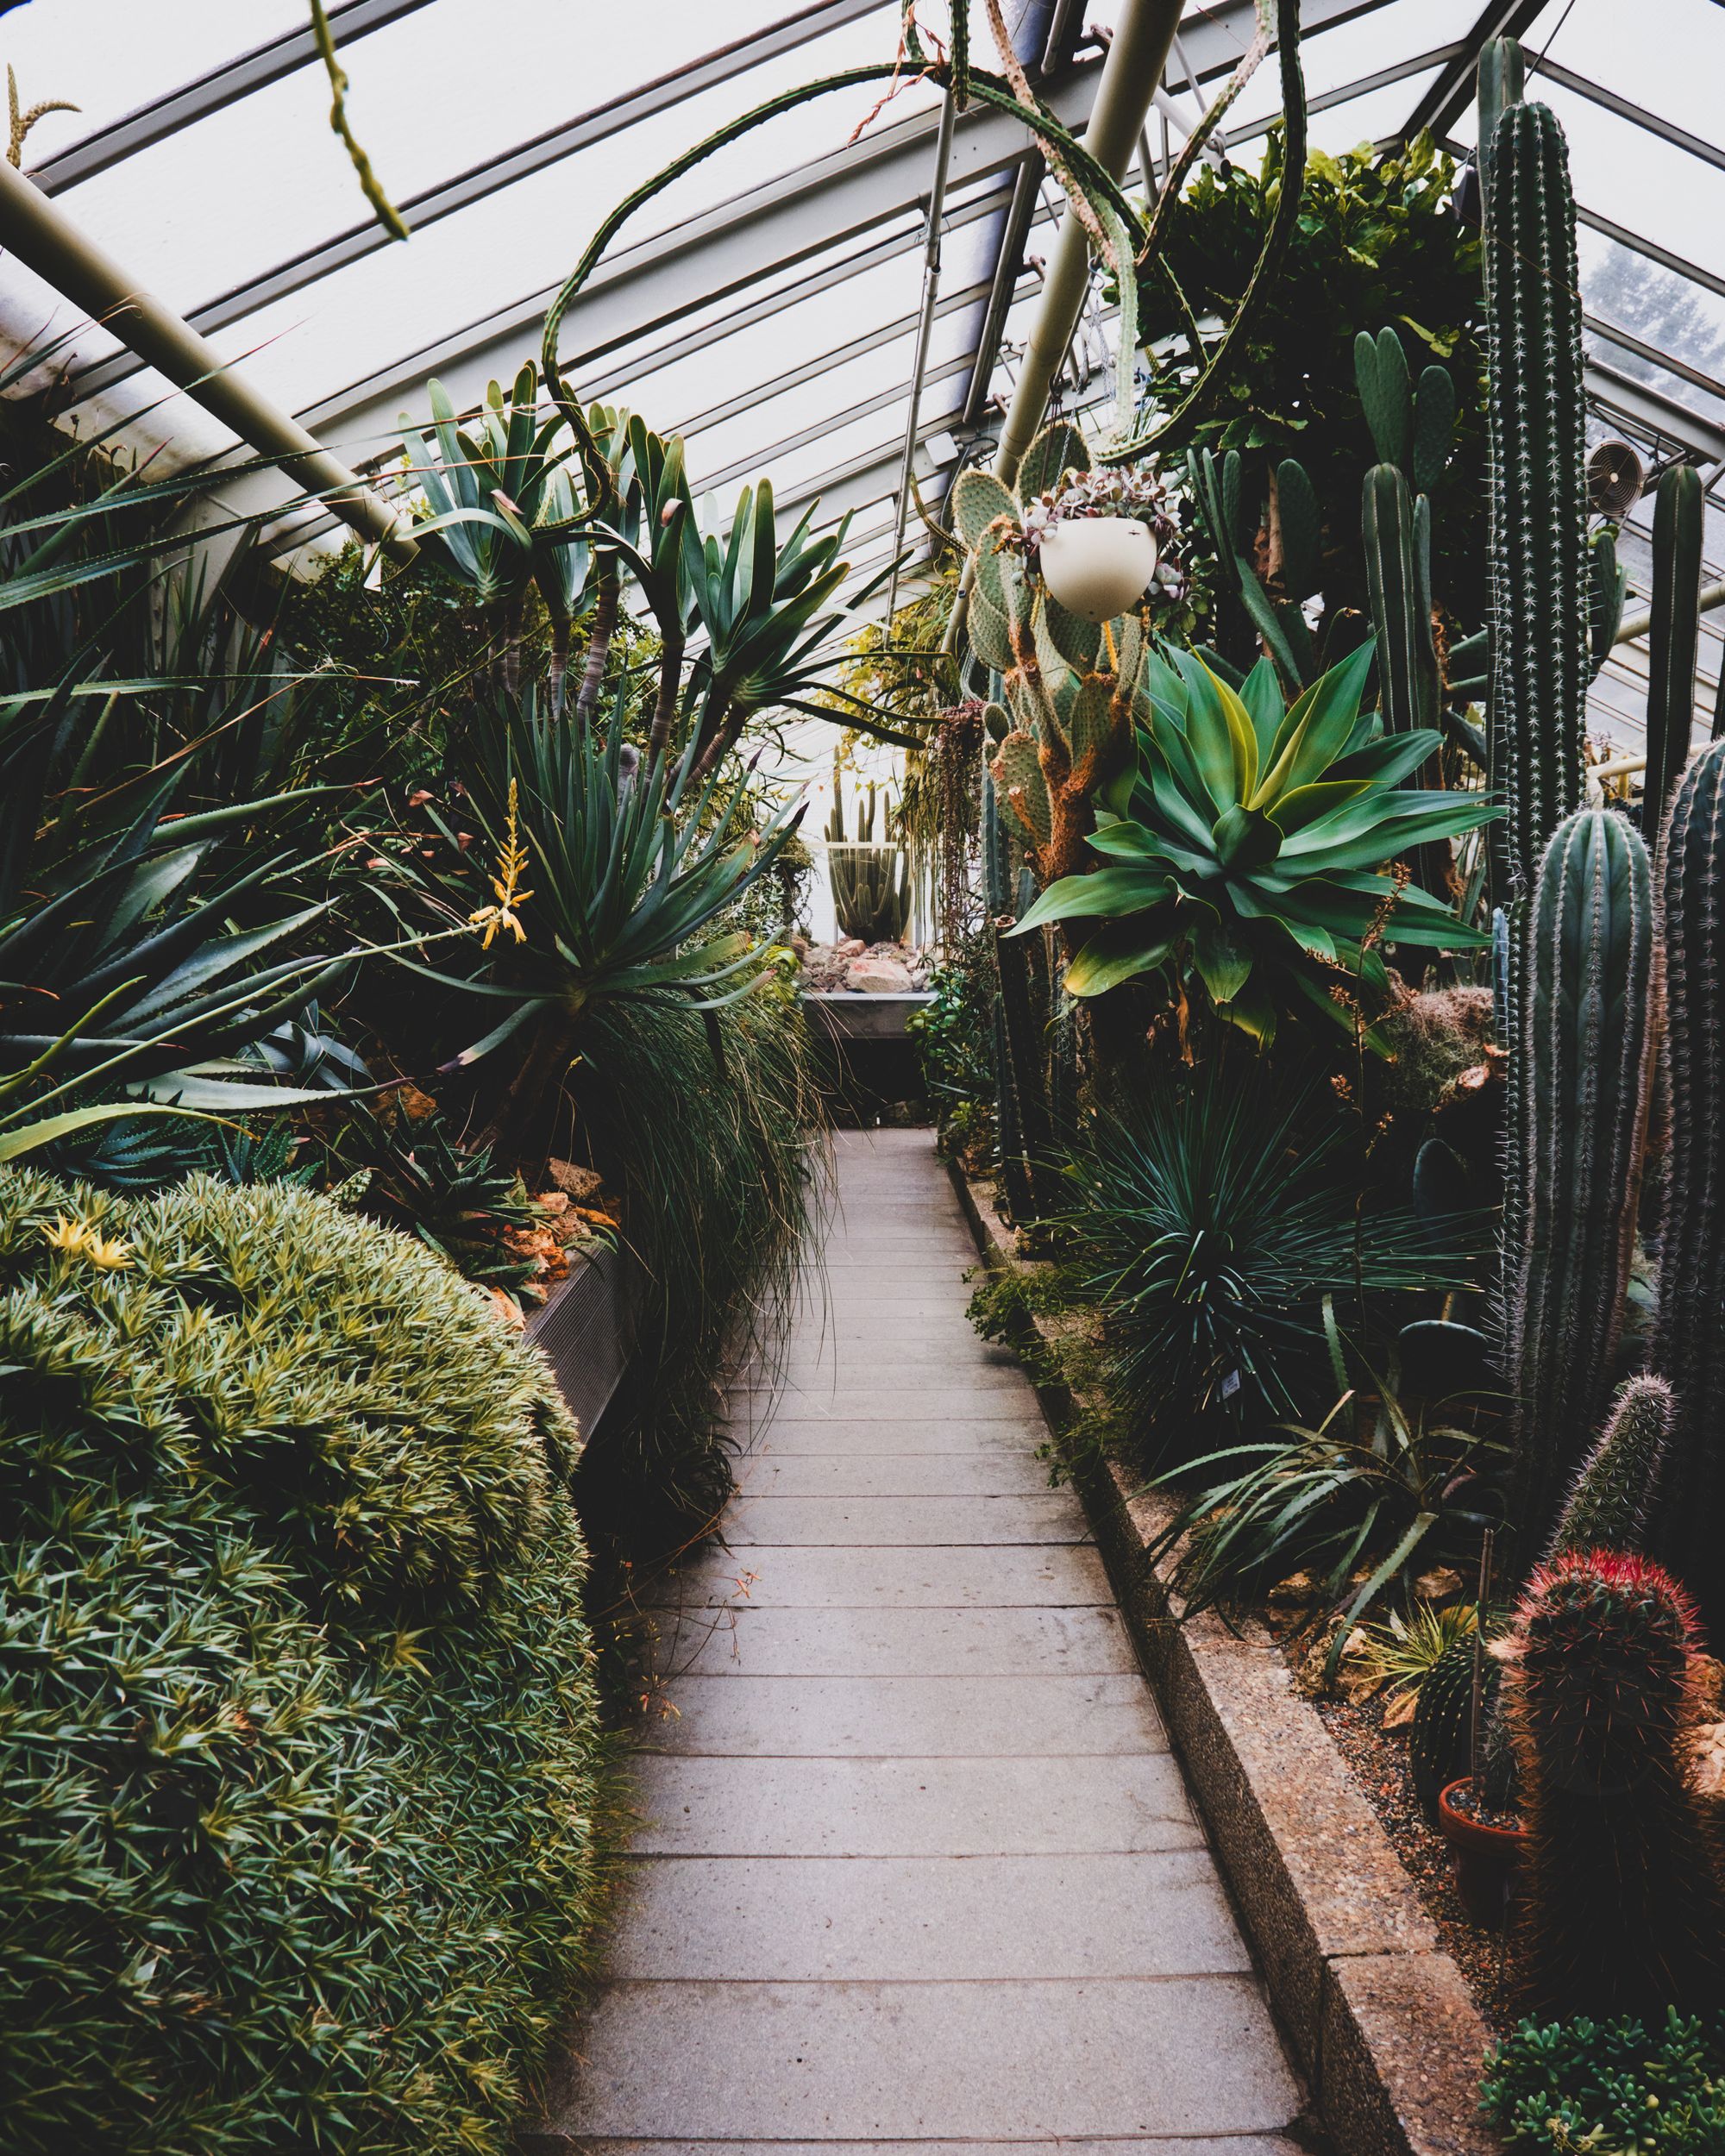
<point x="917" y="1867"/>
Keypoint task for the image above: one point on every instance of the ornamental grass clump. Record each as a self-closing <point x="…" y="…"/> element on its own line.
<point x="297" y="1722"/>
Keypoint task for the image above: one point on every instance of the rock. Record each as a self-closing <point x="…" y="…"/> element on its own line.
<point x="579" y="1183"/>
<point x="1707" y="1674"/>
<point x="878" y="976"/>
<point x="849" y="947"/>
<point x="1709" y="1739"/>
<point x="1400" y="1710"/>
<point x="1298" y="1591"/>
<point x="506" y="1308"/>
<point x="1442" y="1584"/>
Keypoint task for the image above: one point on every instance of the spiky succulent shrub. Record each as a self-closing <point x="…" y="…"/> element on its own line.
<point x="1580" y="1074"/>
<point x="1613" y="1498"/>
<point x="1565" y="2087"/>
<point x="1687" y="1342"/>
<point x="297" y="1731"/>
<point x="1211" y="1218"/>
<point x="1536" y="440"/>
<point x="1620" y="1910"/>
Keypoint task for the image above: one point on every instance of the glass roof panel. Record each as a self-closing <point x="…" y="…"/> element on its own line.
<point x="1644" y="66"/>
<point x="110" y="56"/>
<point x="1636" y="179"/>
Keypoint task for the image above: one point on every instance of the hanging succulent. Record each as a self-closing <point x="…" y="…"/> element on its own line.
<point x="1101" y="541"/>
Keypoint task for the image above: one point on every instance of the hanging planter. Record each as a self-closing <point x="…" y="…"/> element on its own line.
<point x="1098" y="567"/>
<point x="1103" y="542"/>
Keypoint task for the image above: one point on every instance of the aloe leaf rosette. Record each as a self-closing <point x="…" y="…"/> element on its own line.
<point x="1256" y="847"/>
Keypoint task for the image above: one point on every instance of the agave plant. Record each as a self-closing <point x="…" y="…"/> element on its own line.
<point x="1253" y="848"/>
<point x="609" y="870"/>
<point x="505" y="512"/>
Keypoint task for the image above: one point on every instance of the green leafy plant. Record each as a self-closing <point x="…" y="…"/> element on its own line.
<point x="296" y="1788"/>
<point x="1403" y="1651"/>
<point x="1245" y="848"/>
<point x="1384" y="1485"/>
<point x="1592" y="2087"/>
<point x="1212" y="1220"/>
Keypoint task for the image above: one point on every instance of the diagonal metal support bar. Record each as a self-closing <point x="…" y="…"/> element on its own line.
<point x="1445" y="100"/>
<point x="223" y="86"/>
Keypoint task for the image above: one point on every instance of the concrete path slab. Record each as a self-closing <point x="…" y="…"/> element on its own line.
<point x="892" y="1643"/>
<point x="913" y="1807"/>
<point x="915" y="1866"/>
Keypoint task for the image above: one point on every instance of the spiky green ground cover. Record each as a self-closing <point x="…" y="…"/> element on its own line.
<point x="296" y="1717"/>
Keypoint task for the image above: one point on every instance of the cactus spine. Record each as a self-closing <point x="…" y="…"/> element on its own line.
<point x="1536" y="445"/>
<point x="1582" y="1006"/>
<point x="1620" y="1910"/>
<point x="1688" y="1338"/>
<point x="1678" y="510"/>
<point x="1613" y="1498"/>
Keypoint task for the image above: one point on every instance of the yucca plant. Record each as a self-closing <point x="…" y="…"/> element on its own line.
<point x="609" y="874"/>
<point x="1256" y="849"/>
<point x="1212" y="1218"/>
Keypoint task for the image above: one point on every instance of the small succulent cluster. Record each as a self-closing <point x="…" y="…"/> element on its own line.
<point x="1621" y="1909"/>
<point x="1108" y="493"/>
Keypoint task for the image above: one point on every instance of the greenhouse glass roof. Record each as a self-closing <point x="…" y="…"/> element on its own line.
<point x="766" y="306"/>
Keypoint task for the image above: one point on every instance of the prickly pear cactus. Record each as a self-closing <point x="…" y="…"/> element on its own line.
<point x="1070" y="688"/>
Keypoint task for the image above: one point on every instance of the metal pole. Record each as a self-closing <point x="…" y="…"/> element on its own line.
<point x="45" y="239"/>
<point x="930" y="290"/>
<point x="1124" y="93"/>
<point x="1712" y="598"/>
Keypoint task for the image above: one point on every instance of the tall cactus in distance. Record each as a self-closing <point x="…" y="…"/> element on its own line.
<point x="1678" y="514"/>
<point x="1687" y="1344"/>
<point x="1536" y="445"/>
<point x="1580" y="1072"/>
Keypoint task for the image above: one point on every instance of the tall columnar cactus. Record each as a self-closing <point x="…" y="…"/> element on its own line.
<point x="1678" y="513"/>
<point x="1580" y="1072"/>
<point x="1613" y="1499"/>
<point x="1619" y="1909"/>
<point x="1688" y="1337"/>
<point x="1540" y="663"/>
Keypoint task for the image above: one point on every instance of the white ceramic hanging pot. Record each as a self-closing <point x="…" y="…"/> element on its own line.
<point x="1097" y="566"/>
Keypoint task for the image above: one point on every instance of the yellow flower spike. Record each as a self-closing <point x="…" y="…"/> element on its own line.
<point x="512" y="867"/>
<point x="66" y="1235"/>
<point x="109" y="1253"/>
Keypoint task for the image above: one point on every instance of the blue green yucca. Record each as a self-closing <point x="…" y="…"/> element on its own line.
<point x="297" y="1722"/>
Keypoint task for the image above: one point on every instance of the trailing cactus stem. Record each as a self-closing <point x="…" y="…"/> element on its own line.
<point x="1580" y="1086"/>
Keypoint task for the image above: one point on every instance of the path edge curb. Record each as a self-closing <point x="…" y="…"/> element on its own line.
<point x="1375" y="2013"/>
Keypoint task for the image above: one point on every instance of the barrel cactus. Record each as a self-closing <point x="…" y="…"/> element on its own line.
<point x="1440" y="1735"/>
<point x="1580" y="1074"/>
<point x="1687" y="1343"/>
<point x="1620" y="1912"/>
<point x="1536" y="445"/>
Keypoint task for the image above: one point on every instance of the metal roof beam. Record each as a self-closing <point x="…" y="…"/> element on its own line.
<point x="787" y="221"/>
<point x="1609" y="101"/>
<point x="1443" y="101"/>
<point x="194" y="101"/>
<point x="1621" y="396"/>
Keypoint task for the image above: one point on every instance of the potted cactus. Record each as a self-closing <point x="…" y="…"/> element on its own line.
<point x="871" y="893"/>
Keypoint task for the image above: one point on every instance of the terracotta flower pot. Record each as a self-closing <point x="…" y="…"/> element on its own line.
<point x="1486" y="1859"/>
<point x="1097" y="566"/>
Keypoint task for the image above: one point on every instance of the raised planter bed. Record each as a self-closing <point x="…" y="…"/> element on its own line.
<point x="583" y="1332"/>
<point x="853" y="1017"/>
<point x="1377" y="2014"/>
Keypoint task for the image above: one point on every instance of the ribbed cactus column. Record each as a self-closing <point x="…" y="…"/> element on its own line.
<point x="1688" y="1342"/>
<point x="1580" y="1070"/>
<point x="1678" y="516"/>
<point x="1536" y="443"/>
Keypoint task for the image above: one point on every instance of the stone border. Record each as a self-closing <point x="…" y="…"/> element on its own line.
<point x="1377" y="2014"/>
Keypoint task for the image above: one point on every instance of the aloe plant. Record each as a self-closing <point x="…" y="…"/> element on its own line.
<point x="1245" y="848"/>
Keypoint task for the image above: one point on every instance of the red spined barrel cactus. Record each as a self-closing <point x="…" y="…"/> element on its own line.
<point x="1620" y="1910"/>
